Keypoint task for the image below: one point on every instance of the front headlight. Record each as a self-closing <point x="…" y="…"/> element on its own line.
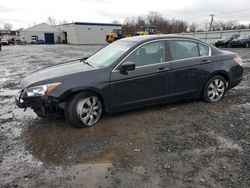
<point x="42" y="90"/>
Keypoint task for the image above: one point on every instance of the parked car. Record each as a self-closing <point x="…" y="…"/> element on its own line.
<point x="11" y="41"/>
<point x="34" y="38"/>
<point x="21" y="42"/>
<point x="130" y="73"/>
<point x="242" y="41"/>
<point x="4" y="42"/>
<point x="224" y="42"/>
<point x="40" y="41"/>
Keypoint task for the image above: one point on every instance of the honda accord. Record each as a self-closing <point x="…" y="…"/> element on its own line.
<point x="131" y="73"/>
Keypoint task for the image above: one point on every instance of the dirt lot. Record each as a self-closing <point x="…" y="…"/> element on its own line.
<point x="186" y="144"/>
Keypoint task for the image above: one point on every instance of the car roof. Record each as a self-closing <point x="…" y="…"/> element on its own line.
<point x="145" y="38"/>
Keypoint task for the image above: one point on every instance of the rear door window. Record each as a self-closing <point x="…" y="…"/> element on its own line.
<point x="182" y="49"/>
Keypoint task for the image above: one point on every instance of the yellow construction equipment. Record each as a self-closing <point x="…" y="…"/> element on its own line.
<point x="118" y="33"/>
<point x="149" y="30"/>
<point x="115" y="35"/>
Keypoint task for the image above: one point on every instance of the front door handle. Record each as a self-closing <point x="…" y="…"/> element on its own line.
<point x="162" y="68"/>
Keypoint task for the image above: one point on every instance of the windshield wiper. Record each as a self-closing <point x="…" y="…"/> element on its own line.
<point x="85" y="62"/>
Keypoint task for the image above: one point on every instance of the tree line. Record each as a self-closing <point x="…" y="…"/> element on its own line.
<point x="217" y="26"/>
<point x="164" y="25"/>
<point x="134" y="24"/>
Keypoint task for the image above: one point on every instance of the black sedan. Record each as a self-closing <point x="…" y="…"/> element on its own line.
<point x="224" y="42"/>
<point x="130" y="73"/>
<point x="242" y="41"/>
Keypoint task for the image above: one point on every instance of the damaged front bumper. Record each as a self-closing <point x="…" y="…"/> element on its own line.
<point x="19" y="100"/>
<point x="42" y="105"/>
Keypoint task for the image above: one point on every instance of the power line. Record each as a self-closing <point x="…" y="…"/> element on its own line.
<point x="220" y="13"/>
<point x="234" y="11"/>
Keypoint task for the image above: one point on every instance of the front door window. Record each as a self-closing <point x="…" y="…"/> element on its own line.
<point x="148" y="54"/>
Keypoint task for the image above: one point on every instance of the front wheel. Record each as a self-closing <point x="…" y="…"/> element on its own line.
<point x="214" y="89"/>
<point x="84" y="110"/>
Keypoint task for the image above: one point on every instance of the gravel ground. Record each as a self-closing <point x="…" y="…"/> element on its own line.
<point x="185" y="144"/>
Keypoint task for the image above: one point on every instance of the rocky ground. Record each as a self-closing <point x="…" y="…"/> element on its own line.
<point x="185" y="144"/>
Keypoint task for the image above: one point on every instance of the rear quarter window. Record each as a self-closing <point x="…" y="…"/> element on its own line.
<point x="204" y="49"/>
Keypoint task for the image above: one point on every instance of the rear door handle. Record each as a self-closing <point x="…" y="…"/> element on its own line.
<point x="162" y="68"/>
<point x="206" y="61"/>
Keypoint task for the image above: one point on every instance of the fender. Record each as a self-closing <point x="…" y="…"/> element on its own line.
<point x="71" y="92"/>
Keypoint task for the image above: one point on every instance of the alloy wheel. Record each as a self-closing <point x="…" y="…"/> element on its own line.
<point x="89" y="110"/>
<point x="216" y="90"/>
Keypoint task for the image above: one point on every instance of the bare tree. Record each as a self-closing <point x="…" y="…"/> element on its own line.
<point x="129" y="25"/>
<point x="155" y="18"/>
<point x="51" y="21"/>
<point x="63" y="22"/>
<point x="193" y="27"/>
<point x="140" y="23"/>
<point x="132" y="25"/>
<point x="7" y="26"/>
<point x="242" y="26"/>
<point x="230" y="25"/>
<point x="178" y="26"/>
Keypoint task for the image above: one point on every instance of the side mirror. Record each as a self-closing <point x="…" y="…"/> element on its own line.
<point x="83" y="59"/>
<point x="127" y="66"/>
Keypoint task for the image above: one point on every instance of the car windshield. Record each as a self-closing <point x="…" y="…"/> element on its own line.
<point x="109" y="54"/>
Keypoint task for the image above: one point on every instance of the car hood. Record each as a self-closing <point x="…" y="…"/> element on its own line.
<point x="55" y="71"/>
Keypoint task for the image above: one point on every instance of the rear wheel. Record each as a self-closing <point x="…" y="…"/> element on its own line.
<point x="214" y="89"/>
<point x="84" y="110"/>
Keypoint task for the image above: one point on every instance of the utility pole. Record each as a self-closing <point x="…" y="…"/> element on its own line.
<point x="212" y="20"/>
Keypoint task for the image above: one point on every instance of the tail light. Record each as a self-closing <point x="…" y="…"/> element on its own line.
<point x="238" y="60"/>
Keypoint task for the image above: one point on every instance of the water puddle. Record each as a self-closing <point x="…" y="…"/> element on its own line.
<point x="89" y="175"/>
<point x="95" y="170"/>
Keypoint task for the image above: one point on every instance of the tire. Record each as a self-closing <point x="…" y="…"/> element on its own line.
<point x="247" y="45"/>
<point x="83" y="110"/>
<point x="214" y="89"/>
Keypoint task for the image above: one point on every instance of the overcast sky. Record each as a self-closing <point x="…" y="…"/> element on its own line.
<point x="24" y="13"/>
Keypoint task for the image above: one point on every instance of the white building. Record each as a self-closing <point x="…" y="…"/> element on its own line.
<point x="87" y="33"/>
<point x="43" y="31"/>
